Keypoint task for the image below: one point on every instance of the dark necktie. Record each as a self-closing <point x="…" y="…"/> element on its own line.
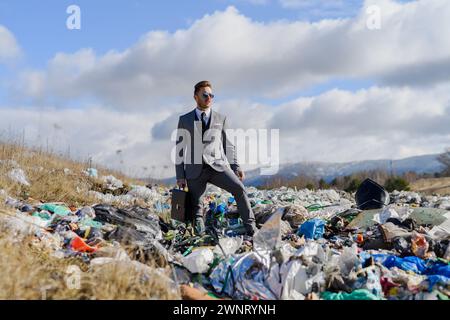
<point x="203" y="119"/>
<point x="203" y="122"/>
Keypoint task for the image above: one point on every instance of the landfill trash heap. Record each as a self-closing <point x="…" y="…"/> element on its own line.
<point x="310" y="245"/>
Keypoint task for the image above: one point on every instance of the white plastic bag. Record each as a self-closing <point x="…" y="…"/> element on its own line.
<point x="229" y="245"/>
<point x="198" y="261"/>
<point x="391" y="212"/>
<point x="112" y="183"/>
<point x="268" y="238"/>
<point x="18" y="175"/>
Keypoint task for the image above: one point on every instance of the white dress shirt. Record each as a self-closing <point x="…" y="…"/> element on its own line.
<point x="207" y="114"/>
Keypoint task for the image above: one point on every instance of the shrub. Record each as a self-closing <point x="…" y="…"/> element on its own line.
<point x="396" y="183"/>
<point x="353" y="185"/>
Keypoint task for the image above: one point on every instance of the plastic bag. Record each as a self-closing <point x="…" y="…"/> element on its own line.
<point x="91" y="172"/>
<point x="244" y="277"/>
<point x="56" y="209"/>
<point x="268" y="238"/>
<point x="198" y="261"/>
<point x="229" y="245"/>
<point x="360" y="294"/>
<point x="312" y="229"/>
<point x="79" y="245"/>
<point x="18" y="175"/>
<point x="143" y="193"/>
<point x="349" y="260"/>
<point x="392" y="212"/>
<point x="419" y="245"/>
<point x="112" y="183"/>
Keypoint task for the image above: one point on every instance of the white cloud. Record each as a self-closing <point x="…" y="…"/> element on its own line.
<point x="96" y="132"/>
<point x="241" y="57"/>
<point x="425" y="74"/>
<point x="145" y="88"/>
<point x="9" y="49"/>
<point x="338" y="125"/>
<point x="379" y="122"/>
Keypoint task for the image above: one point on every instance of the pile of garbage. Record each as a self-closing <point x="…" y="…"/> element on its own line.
<point x="310" y="244"/>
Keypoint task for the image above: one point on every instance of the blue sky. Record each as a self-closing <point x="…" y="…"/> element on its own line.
<point x="340" y="91"/>
<point x="116" y="24"/>
<point x="40" y="26"/>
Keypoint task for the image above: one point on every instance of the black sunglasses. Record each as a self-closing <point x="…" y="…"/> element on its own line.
<point x="206" y="95"/>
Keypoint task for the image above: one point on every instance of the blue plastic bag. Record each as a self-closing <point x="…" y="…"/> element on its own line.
<point x="439" y="269"/>
<point x="414" y="264"/>
<point x="312" y="229"/>
<point x="433" y="280"/>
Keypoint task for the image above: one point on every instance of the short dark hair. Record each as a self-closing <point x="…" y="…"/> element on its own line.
<point x="201" y="84"/>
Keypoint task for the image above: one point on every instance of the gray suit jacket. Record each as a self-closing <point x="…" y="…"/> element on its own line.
<point x="215" y="150"/>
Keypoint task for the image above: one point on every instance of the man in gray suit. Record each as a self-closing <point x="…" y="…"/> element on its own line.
<point x="205" y="154"/>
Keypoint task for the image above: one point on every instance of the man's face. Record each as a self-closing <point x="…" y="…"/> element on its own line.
<point x="203" y="98"/>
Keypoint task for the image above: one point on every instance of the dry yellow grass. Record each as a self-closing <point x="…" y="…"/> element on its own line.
<point x="434" y="185"/>
<point x="29" y="271"/>
<point x="48" y="181"/>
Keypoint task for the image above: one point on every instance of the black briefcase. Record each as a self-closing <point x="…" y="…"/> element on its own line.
<point x="181" y="206"/>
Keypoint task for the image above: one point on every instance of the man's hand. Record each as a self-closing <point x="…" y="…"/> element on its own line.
<point x="181" y="183"/>
<point x="240" y="174"/>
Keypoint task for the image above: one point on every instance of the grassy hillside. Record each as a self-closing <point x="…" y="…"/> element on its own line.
<point x="48" y="176"/>
<point x="435" y="185"/>
<point x="29" y="270"/>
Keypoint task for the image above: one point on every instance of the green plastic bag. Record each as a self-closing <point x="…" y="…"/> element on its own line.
<point x="43" y="215"/>
<point x="56" y="209"/>
<point x="360" y="294"/>
<point x="91" y="223"/>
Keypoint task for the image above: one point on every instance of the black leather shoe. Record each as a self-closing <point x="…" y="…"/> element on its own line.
<point x="247" y="239"/>
<point x="251" y="229"/>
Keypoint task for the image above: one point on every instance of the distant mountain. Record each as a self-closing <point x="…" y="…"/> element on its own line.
<point x="329" y="171"/>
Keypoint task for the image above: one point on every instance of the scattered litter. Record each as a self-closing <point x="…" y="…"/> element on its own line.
<point x="112" y="183"/>
<point x="312" y="229"/>
<point x="227" y="246"/>
<point x="310" y="244"/>
<point x="92" y="172"/>
<point x="199" y="260"/>
<point x="18" y="175"/>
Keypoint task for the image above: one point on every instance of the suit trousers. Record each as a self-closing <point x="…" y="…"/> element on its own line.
<point x="226" y="180"/>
